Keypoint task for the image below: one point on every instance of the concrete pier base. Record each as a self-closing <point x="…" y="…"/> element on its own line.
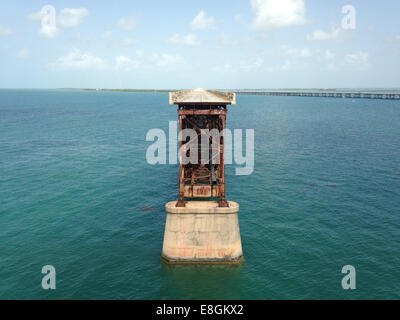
<point x="202" y="232"/>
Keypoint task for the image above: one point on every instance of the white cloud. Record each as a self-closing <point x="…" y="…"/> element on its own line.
<point x="68" y="18"/>
<point x="35" y="16"/>
<point x="189" y="40"/>
<point x="223" y="69"/>
<point x="77" y="60"/>
<point x="248" y="65"/>
<point x="329" y="55"/>
<point x="126" y="64"/>
<point x="78" y="37"/>
<point x="139" y="53"/>
<point x="71" y="17"/>
<point x="358" y="58"/>
<point x="226" y="40"/>
<point x="106" y="35"/>
<point x="331" y="67"/>
<point x="23" y="53"/>
<point x="203" y="22"/>
<point x="318" y="35"/>
<point x="272" y="14"/>
<point x="293" y="65"/>
<point x="328" y="58"/>
<point x="127" y="24"/>
<point x="287" y="65"/>
<point x="297" y="52"/>
<point x="238" y="18"/>
<point x="5" y="31"/>
<point x="47" y="31"/>
<point x="269" y="69"/>
<point x="164" y="60"/>
<point x="251" y="65"/>
<point x="398" y="37"/>
<point x="129" y="42"/>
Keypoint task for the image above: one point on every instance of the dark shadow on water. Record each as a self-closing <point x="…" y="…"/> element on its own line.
<point x="333" y="187"/>
<point x="148" y="209"/>
<point x="202" y="281"/>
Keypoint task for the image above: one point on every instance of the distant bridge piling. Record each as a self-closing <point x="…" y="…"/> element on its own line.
<point x="327" y="94"/>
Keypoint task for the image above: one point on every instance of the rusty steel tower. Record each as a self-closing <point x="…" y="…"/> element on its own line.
<point x="202" y="226"/>
<point x="203" y="111"/>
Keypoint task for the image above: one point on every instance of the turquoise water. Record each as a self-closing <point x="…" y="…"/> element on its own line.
<point x="78" y="194"/>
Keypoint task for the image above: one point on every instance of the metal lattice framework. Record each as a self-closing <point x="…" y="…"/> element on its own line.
<point x="204" y="112"/>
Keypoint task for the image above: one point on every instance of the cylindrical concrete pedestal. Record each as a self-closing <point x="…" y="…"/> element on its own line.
<point x="201" y="232"/>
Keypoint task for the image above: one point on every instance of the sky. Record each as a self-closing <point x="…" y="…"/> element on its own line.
<point x="200" y="44"/>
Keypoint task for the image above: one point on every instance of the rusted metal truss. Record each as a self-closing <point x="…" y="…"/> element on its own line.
<point x="206" y="177"/>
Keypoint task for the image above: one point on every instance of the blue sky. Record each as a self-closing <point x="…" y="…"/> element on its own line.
<point x="208" y="44"/>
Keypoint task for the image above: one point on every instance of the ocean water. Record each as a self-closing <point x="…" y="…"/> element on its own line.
<point x="77" y="193"/>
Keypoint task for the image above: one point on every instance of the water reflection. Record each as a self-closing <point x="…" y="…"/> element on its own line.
<point x="202" y="281"/>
